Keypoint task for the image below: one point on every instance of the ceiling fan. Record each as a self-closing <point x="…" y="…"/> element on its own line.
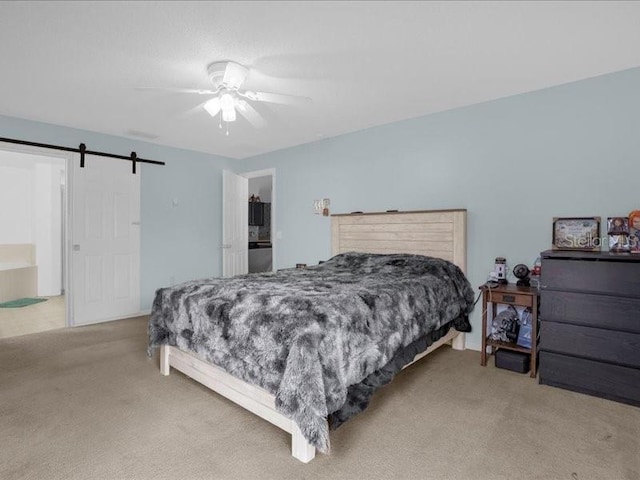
<point x="230" y="98"/>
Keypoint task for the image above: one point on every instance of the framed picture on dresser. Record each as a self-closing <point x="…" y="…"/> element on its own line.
<point x="618" y="230"/>
<point x="576" y="233"/>
<point x="634" y="231"/>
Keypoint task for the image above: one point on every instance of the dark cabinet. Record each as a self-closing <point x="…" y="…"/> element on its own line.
<point x="256" y="214"/>
<point x="590" y="324"/>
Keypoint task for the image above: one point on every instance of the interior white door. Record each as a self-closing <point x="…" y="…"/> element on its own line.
<point x="106" y="240"/>
<point x="235" y="224"/>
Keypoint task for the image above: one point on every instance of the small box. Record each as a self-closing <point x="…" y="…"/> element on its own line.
<point x="514" y="361"/>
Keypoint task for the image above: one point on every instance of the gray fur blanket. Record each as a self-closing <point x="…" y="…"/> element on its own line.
<point x="308" y="336"/>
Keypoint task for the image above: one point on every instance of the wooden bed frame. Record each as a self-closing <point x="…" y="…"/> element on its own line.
<point x="437" y="233"/>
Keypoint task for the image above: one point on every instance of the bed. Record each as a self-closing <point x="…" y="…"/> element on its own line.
<point x="306" y="349"/>
<point x="18" y="272"/>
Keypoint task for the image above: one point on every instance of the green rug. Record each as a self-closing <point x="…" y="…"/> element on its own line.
<point x="22" y="302"/>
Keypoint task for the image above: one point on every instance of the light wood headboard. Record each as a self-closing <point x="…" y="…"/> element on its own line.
<point x="435" y="233"/>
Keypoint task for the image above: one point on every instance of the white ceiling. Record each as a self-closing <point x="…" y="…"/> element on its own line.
<point x="363" y="63"/>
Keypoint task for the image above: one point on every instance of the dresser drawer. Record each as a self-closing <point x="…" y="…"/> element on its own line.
<point x="587" y="376"/>
<point x="511" y="298"/>
<point x="599" y="276"/>
<point x="594" y="343"/>
<point x="615" y="313"/>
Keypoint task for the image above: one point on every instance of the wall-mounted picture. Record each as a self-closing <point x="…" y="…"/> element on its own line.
<point x="581" y="233"/>
<point x="618" y="230"/>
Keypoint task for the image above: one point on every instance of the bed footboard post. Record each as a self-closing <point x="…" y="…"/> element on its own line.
<point x="458" y="342"/>
<point x="300" y="448"/>
<point x="164" y="359"/>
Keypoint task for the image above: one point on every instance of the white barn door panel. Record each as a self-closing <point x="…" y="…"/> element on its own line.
<point x="106" y="241"/>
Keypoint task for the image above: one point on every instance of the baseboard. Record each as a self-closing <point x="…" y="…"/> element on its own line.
<point x="113" y="319"/>
<point x="472" y="346"/>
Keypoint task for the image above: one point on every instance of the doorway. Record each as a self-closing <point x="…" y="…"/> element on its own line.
<point x="33" y="219"/>
<point x="261" y="239"/>
<point x="249" y="229"/>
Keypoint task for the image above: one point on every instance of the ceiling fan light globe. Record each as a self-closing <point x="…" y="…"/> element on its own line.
<point x="213" y="106"/>
<point x="227" y="102"/>
<point x="229" y="115"/>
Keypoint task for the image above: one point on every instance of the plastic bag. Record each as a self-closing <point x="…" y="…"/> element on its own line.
<point x="524" y="335"/>
<point x="506" y="325"/>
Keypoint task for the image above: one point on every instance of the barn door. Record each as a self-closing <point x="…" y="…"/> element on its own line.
<point x="106" y="241"/>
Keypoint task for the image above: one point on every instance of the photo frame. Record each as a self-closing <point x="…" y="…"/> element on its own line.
<point x="576" y="233"/>
<point x="634" y="231"/>
<point x="618" y="230"/>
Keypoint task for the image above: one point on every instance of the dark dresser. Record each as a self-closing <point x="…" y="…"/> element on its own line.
<point x="590" y="324"/>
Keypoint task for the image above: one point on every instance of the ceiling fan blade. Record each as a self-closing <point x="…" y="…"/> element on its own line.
<point x="192" y="111"/>
<point x="181" y="90"/>
<point x="234" y="75"/>
<point x="213" y="106"/>
<point x="274" y="97"/>
<point x="251" y="114"/>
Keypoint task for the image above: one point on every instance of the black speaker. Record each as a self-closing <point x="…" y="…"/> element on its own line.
<point x="521" y="272"/>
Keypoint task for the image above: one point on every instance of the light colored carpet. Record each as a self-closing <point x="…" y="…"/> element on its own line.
<point x="87" y="403"/>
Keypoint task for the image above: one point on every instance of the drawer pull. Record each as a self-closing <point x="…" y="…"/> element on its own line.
<point x="508" y="298"/>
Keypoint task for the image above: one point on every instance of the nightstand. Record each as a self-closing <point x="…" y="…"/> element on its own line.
<point x="510" y="294"/>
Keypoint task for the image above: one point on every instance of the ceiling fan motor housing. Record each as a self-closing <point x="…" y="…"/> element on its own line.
<point x="230" y="75"/>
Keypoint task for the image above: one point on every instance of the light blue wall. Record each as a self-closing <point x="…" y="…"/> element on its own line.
<point x="177" y="242"/>
<point x="181" y="242"/>
<point x="514" y="163"/>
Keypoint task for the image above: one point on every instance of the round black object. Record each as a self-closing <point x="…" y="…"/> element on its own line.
<point x="521" y="272"/>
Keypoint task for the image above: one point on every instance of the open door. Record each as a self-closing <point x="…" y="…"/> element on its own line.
<point x="106" y="241"/>
<point x="235" y="224"/>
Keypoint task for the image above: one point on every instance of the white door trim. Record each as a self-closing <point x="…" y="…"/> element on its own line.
<point x="274" y="239"/>
<point x="68" y="157"/>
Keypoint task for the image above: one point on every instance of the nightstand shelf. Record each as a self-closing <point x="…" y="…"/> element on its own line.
<point x="507" y="346"/>
<point x="510" y="294"/>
